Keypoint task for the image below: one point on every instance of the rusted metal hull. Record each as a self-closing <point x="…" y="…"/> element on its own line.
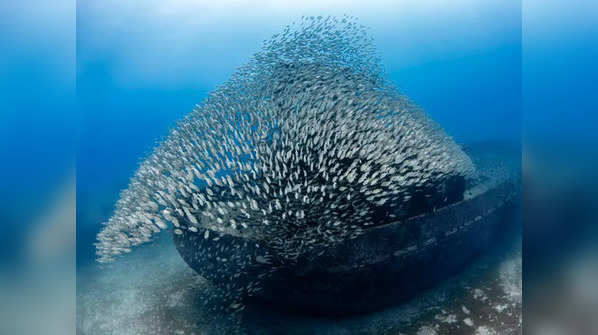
<point x="385" y="265"/>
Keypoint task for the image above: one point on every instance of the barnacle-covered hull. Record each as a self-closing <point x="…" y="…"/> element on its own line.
<point x="384" y="265"/>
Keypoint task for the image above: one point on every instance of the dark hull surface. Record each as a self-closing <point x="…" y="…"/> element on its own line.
<point x="385" y="265"/>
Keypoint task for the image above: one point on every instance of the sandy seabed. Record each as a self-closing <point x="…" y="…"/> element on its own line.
<point x="152" y="291"/>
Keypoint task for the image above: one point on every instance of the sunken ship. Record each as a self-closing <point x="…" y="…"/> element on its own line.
<point x="309" y="181"/>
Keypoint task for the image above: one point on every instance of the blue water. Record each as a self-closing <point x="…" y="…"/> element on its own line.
<point x="115" y="77"/>
<point x="89" y="87"/>
<point x="137" y="73"/>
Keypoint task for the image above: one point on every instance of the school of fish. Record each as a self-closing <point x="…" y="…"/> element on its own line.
<point x="301" y="148"/>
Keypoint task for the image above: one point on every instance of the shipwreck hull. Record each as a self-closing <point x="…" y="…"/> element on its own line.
<point x="383" y="266"/>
